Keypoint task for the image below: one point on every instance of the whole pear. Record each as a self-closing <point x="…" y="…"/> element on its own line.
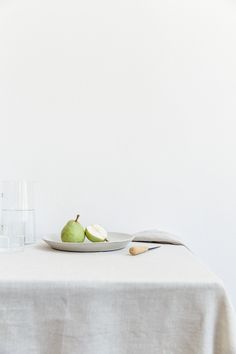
<point x="73" y="231"/>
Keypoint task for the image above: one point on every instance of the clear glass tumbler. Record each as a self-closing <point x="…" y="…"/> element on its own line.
<point x="17" y="213"/>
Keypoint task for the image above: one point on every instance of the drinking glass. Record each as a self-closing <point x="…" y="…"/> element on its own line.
<point x="17" y="214"/>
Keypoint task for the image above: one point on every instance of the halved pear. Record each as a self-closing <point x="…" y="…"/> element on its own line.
<point x="96" y="233"/>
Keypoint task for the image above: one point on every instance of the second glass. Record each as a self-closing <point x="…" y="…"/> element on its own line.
<point x="18" y="213"/>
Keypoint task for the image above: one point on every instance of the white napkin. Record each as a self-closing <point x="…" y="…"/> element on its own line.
<point x="157" y="236"/>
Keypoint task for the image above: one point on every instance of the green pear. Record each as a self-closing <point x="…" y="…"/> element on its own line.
<point x="73" y="231"/>
<point x="96" y="233"/>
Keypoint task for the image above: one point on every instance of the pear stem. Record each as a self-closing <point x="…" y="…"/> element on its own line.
<point x="77" y="218"/>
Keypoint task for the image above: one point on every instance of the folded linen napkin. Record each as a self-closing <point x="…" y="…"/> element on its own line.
<point x="157" y="236"/>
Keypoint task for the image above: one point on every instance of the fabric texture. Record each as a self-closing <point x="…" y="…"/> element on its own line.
<point x="160" y="302"/>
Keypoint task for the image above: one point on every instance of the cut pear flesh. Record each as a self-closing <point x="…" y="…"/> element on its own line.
<point x="96" y="233"/>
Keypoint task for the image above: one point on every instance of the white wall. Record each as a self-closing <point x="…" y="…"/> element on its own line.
<point x="124" y="111"/>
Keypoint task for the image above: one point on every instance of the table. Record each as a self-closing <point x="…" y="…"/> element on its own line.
<point x="163" y="302"/>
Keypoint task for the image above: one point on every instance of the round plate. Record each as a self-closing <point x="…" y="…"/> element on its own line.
<point x="116" y="241"/>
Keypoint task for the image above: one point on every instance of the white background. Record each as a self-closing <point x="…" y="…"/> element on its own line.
<point x="124" y="111"/>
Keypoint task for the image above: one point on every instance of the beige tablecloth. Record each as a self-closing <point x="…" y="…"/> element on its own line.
<point x="161" y="302"/>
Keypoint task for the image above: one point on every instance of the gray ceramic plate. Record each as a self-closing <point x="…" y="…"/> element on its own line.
<point x="116" y="241"/>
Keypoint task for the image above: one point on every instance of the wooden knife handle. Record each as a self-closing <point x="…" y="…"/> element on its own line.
<point x="134" y="251"/>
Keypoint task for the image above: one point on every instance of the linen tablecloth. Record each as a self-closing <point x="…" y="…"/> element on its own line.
<point x="164" y="302"/>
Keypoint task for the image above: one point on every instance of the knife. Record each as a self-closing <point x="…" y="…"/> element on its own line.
<point x="134" y="251"/>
